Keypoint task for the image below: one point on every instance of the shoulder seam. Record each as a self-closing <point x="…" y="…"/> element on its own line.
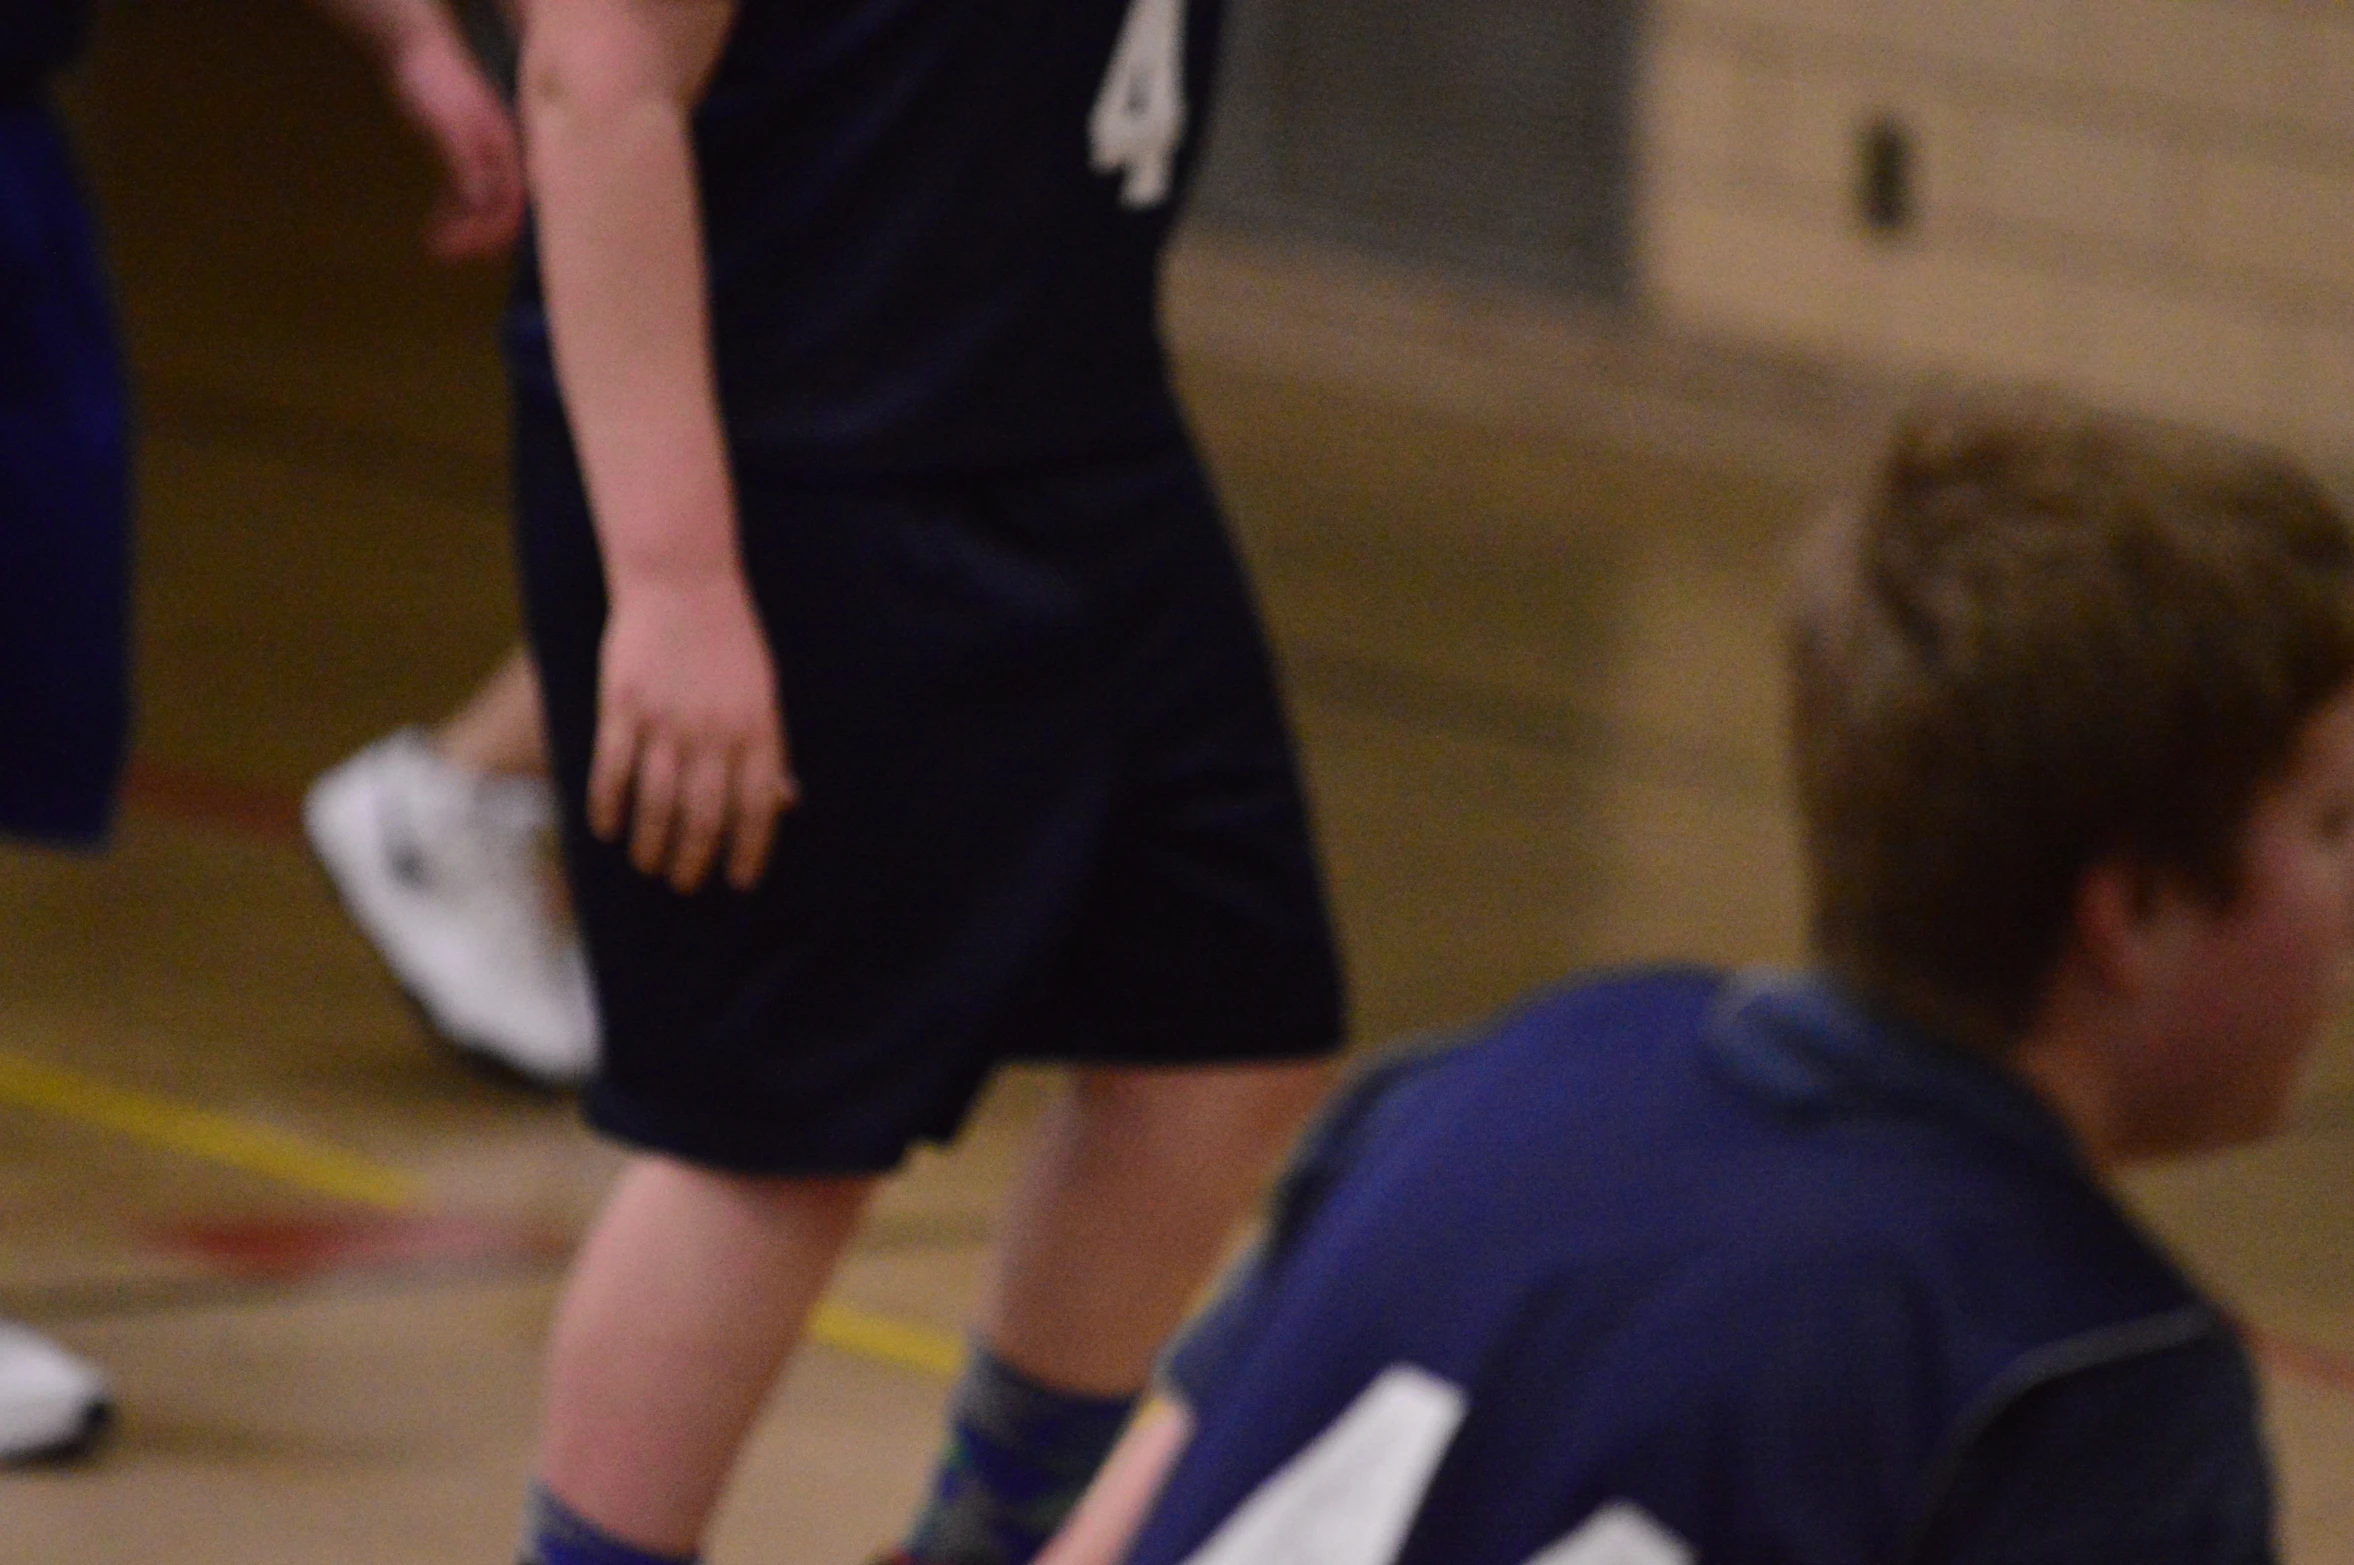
<point x="2113" y="1344"/>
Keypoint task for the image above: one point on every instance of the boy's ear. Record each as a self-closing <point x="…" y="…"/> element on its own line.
<point x="2116" y="927"/>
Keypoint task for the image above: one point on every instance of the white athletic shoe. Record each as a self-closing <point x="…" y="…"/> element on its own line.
<point x="446" y="871"/>
<point x="52" y="1404"/>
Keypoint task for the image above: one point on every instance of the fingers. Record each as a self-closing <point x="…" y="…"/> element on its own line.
<point x="679" y="812"/>
<point x="481" y="207"/>
<point x="689" y="756"/>
<point x="613" y="768"/>
<point x="655" y="811"/>
<point x="703" y="806"/>
<point x="764" y="789"/>
<point x="445" y="94"/>
<point x="455" y="235"/>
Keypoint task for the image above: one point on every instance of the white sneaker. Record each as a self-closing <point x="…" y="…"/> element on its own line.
<point x="52" y="1404"/>
<point x="446" y="871"/>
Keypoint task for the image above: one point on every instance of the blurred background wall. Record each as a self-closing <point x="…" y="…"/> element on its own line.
<point x="2149" y="201"/>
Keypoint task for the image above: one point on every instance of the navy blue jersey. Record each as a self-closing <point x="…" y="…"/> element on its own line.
<point x="933" y="226"/>
<point x="38" y="38"/>
<point x="1669" y="1269"/>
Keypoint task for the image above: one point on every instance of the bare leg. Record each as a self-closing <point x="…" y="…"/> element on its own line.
<point x="499" y="732"/>
<point x="685" y="1300"/>
<point x="1134" y="1185"/>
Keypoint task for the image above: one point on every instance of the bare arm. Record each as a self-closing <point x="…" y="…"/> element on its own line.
<point x="389" y="24"/>
<point x="690" y="742"/>
<point x="444" y="93"/>
<point x="1115" y="1505"/>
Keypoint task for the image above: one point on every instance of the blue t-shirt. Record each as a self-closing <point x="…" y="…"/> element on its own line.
<point x="1688" y="1269"/>
<point x="933" y="227"/>
<point x="38" y="38"/>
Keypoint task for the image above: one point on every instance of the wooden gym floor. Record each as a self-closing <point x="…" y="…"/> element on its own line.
<point x="1519" y="562"/>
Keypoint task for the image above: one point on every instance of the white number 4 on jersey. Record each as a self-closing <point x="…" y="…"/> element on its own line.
<point x="1139" y="114"/>
<point x="1349" y="1496"/>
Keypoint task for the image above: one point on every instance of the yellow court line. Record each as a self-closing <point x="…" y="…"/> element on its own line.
<point x="324" y="1170"/>
<point x="900" y="1344"/>
<point x="217" y="1138"/>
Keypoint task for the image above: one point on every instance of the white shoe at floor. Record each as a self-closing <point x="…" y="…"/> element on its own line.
<point x="52" y="1404"/>
<point x="447" y="872"/>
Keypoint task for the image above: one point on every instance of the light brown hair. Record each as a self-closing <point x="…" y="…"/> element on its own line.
<point x="2044" y="637"/>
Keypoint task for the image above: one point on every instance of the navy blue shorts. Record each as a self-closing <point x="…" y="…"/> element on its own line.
<point x="65" y="552"/>
<point x="1049" y="811"/>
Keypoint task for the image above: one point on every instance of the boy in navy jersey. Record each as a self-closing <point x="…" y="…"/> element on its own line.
<point x="1818" y="1269"/>
<point x="907" y="711"/>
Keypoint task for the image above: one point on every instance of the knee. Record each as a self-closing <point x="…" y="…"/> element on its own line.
<point x="1241" y="1113"/>
<point x="764" y="1198"/>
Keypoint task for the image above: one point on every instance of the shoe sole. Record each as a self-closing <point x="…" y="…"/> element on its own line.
<point x="96" y="1425"/>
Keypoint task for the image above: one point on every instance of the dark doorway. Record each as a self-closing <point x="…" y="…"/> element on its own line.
<point x="1493" y="135"/>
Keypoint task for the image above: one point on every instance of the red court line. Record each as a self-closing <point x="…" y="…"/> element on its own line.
<point x="195" y="798"/>
<point x="289" y="1249"/>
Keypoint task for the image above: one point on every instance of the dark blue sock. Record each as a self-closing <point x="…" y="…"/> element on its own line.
<point x="1019" y="1455"/>
<point x="554" y="1534"/>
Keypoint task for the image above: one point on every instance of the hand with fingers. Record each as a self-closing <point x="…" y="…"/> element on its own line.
<point x="690" y="759"/>
<point x="444" y="92"/>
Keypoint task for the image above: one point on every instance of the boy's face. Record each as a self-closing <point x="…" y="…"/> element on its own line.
<point x="2245" y="990"/>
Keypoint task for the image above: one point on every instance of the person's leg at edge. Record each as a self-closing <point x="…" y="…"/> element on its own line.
<point x="498" y="731"/>
<point x="685" y="1300"/>
<point x="1135" y="1181"/>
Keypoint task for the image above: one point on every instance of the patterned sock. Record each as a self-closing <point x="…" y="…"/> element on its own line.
<point x="554" y="1534"/>
<point x="1019" y="1455"/>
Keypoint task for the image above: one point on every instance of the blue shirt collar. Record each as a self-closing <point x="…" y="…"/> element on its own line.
<point x="1807" y="1044"/>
